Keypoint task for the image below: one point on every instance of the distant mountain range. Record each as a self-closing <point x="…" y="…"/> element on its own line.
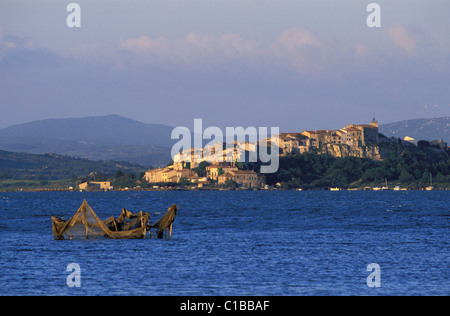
<point x="110" y="137"/>
<point x="420" y="129"/>
<point x="117" y="138"/>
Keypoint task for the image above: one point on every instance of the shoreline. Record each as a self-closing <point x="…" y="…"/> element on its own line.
<point x="376" y="189"/>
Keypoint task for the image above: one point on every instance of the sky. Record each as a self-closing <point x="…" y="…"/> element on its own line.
<point x="293" y="64"/>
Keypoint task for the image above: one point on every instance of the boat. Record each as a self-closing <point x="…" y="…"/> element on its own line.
<point x="335" y="189"/>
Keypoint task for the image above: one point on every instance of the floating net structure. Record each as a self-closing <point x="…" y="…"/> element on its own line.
<point x="165" y="223"/>
<point x="86" y="224"/>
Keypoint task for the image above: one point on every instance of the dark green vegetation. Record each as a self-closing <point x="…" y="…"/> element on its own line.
<point x="51" y="170"/>
<point x="407" y="166"/>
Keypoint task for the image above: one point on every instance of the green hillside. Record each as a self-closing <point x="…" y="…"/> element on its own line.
<point x="406" y="166"/>
<point x="45" y="167"/>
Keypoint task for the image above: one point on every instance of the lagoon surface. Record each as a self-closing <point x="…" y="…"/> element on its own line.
<point x="234" y="243"/>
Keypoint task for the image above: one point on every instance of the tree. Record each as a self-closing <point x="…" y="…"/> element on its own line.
<point x="201" y="169"/>
<point x="119" y="174"/>
<point x="405" y="176"/>
<point x="230" y="184"/>
<point x="98" y="176"/>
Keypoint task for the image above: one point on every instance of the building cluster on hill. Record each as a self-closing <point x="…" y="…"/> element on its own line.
<point x="353" y="135"/>
<point x="223" y="166"/>
<point x="223" y="161"/>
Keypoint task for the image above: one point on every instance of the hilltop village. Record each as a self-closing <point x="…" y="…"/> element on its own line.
<point x="199" y="167"/>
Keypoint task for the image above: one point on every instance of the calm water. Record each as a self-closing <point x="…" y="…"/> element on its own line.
<point x="234" y="243"/>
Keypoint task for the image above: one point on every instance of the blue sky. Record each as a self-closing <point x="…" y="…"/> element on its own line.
<point x="292" y="64"/>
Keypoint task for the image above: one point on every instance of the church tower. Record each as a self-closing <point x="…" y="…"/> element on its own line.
<point x="374" y="122"/>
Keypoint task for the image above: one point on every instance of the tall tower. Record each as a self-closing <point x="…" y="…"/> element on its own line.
<point x="374" y="121"/>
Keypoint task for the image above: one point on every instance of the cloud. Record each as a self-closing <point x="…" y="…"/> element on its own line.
<point x="294" y="49"/>
<point x="144" y="44"/>
<point x="217" y="49"/>
<point x="404" y="37"/>
<point x="421" y="49"/>
<point x="10" y="45"/>
<point x="200" y="74"/>
<point x="302" y="51"/>
<point x="12" y="42"/>
<point x="298" y="38"/>
<point x="194" y="50"/>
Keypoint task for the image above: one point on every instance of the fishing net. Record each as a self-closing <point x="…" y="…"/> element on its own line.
<point x="164" y="224"/>
<point x="128" y="221"/>
<point x="86" y="224"/>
